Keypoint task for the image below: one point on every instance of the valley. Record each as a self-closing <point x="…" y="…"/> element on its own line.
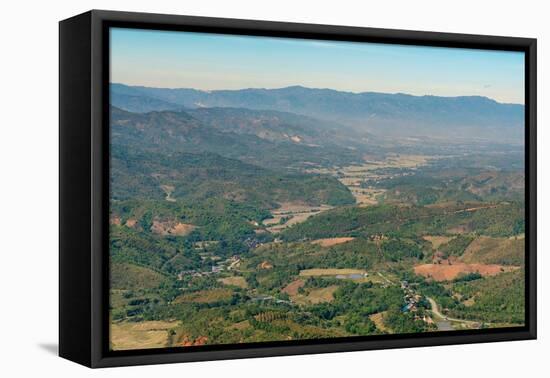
<point x="237" y="222"/>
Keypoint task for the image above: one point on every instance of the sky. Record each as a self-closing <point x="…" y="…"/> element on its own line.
<point x="175" y="59"/>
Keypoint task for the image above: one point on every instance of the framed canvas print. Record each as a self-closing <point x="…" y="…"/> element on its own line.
<point x="234" y="188"/>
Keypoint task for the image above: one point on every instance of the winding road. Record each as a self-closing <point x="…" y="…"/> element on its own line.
<point x="435" y="310"/>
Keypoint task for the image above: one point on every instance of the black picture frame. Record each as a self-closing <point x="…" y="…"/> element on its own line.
<point x="84" y="181"/>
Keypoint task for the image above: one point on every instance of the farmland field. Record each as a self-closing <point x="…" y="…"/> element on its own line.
<point x="330" y="272"/>
<point x="439" y="272"/>
<point x="150" y="334"/>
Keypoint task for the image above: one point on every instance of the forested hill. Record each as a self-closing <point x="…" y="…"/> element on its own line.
<point x="147" y="175"/>
<point x="272" y="140"/>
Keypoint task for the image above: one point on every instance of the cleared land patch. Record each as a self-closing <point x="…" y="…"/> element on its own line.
<point x="166" y="228"/>
<point x="445" y="272"/>
<point x="487" y="250"/>
<point x="325" y="294"/>
<point x="330" y="272"/>
<point x="290" y="213"/>
<point x="205" y="296"/>
<point x="329" y="242"/>
<point x="293" y="287"/>
<point x="234" y="281"/>
<point x="168" y="190"/>
<point x="142" y="335"/>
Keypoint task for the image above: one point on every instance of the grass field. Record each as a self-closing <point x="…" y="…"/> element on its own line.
<point x="130" y="277"/>
<point x="325" y="294"/>
<point x="329" y="242"/>
<point x="234" y="281"/>
<point x="205" y="296"/>
<point x="329" y="272"/>
<point x="484" y="249"/>
<point x="437" y="241"/>
<point x="141" y="335"/>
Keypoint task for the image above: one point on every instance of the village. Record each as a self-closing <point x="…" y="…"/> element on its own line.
<point x="222" y="265"/>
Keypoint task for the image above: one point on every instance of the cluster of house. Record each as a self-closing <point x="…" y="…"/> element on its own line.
<point x="411" y="298"/>
<point x="228" y="264"/>
<point x="411" y="303"/>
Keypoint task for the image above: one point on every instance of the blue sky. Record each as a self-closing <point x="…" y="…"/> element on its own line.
<point x="212" y="61"/>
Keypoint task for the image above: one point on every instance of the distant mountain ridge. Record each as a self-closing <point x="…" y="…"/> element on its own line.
<point x="268" y="139"/>
<point x="380" y="113"/>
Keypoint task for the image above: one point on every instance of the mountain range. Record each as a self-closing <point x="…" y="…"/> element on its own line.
<point x="387" y="115"/>
<point x="265" y="138"/>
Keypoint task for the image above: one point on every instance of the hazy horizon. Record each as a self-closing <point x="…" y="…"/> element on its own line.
<point x="313" y="88"/>
<point x="175" y="59"/>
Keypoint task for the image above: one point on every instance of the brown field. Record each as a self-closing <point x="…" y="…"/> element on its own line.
<point x="265" y="265"/>
<point x="437" y="241"/>
<point x="205" y="296"/>
<point x="378" y="320"/>
<point x="234" y="281"/>
<point x="469" y="302"/>
<point x="293" y="287"/>
<point x="329" y="272"/>
<point x="325" y="294"/>
<point x="487" y="250"/>
<point x="329" y="242"/>
<point x="459" y="230"/>
<point x="142" y="335"/>
<point x="131" y="223"/>
<point x="171" y="228"/>
<point x="182" y="229"/>
<point x="445" y="272"/>
<point x="312" y="298"/>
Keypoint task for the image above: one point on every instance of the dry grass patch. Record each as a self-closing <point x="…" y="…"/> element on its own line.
<point x="166" y="228"/>
<point x="444" y="272"/>
<point x="142" y="335"/>
<point x="459" y="230"/>
<point x="437" y="241"/>
<point x="329" y="272"/>
<point x="378" y="320"/>
<point x="325" y="294"/>
<point x="205" y="296"/>
<point x="293" y="287"/>
<point x="296" y="212"/>
<point x="487" y="250"/>
<point x="234" y="281"/>
<point x="366" y="196"/>
<point x="329" y="242"/>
